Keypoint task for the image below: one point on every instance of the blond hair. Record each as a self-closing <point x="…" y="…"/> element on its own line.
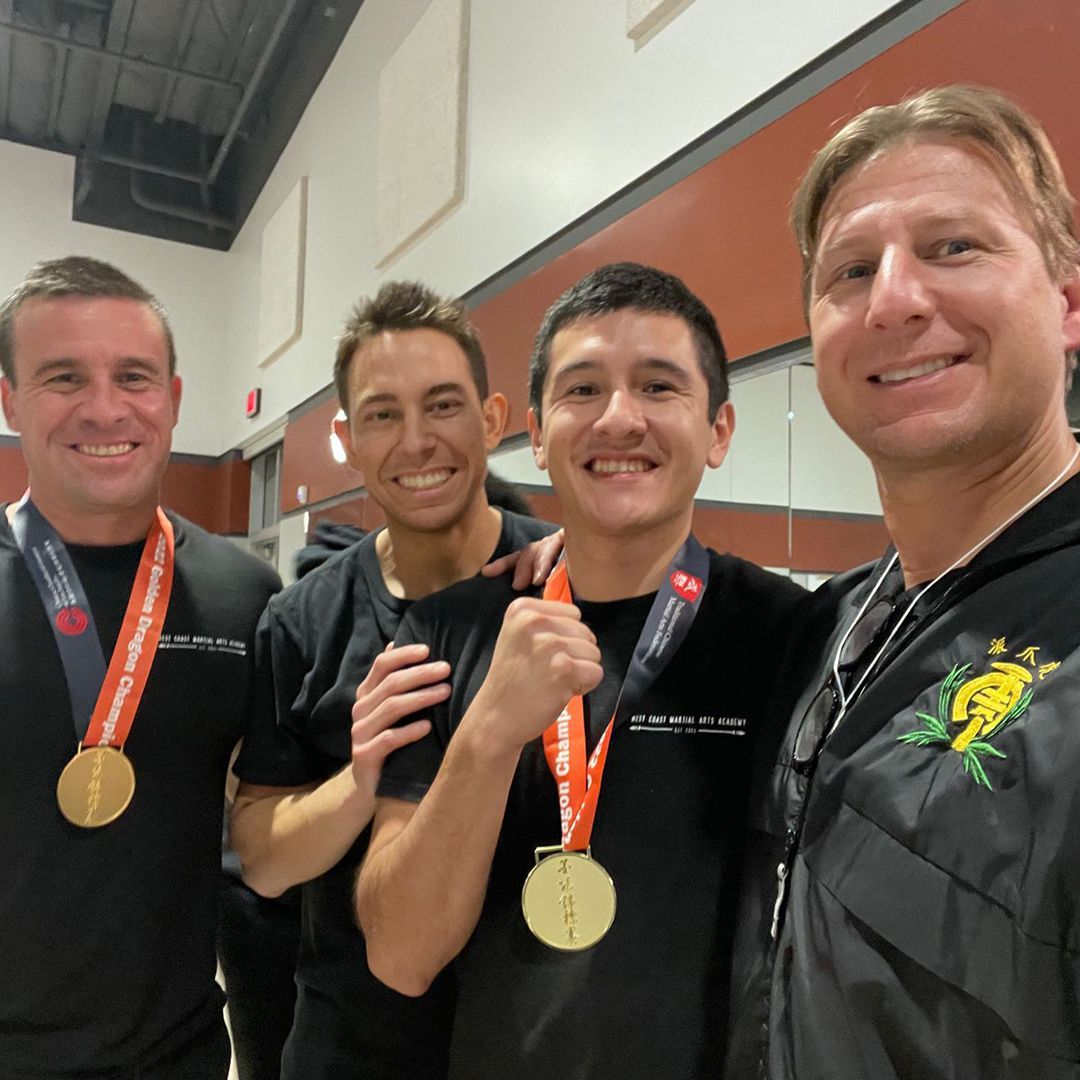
<point x="1015" y="143"/>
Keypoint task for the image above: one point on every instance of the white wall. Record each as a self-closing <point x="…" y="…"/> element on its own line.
<point x="828" y="472"/>
<point x="563" y="112"/>
<point x="36" y="191"/>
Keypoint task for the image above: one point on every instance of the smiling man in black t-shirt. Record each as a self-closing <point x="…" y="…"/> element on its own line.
<point x="411" y="377"/>
<point x="108" y="908"/>
<point x="628" y="390"/>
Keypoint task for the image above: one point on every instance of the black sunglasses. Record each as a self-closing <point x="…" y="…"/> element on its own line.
<point x="822" y="712"/>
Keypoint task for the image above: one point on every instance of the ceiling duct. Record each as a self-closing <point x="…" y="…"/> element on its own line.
<point x="176" y="110"/>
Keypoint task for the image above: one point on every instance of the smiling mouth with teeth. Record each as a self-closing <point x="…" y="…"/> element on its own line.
<point x="104" y="449"/>
<point x="609" y="466"/>
<point x="424" y="481"/>
<point x="917" y="370"/>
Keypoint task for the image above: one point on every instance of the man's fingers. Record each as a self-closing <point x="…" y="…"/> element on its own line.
<point x="375" y="751"/>
<point x="576" y="647"/>
<point x="537" y="560"/>
<point x="547" y="555"/>
<point x="581" y="674"/>
<point x="531" y="565"/>
<point x="389" y="661"/>
<point x="368" y="723"/>
<point x="525" y="607"/>
<point x="500" y="566"/>
<point x="525" y="568"/>
<point x="401" y="682"/>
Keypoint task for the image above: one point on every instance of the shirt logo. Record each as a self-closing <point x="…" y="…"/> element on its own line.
<point x="973" y="712"/>
<point x="686" y="585"/>
<point x="686" y="724"/>
<point x="71" y="621"/>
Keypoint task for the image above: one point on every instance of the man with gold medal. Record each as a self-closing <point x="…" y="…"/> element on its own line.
<point x="567" y="835"/>
<point x="125" y="686"/>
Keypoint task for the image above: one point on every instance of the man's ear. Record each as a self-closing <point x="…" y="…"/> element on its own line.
<point x="722" y="429"/>
<point x="8" y="398"/>
<point x="496" y="413"/>
<point x="343" y="431"/>
<point x="536" y="440"/>
<point x="177" y="389"/>
<point x="1070" y="291"/>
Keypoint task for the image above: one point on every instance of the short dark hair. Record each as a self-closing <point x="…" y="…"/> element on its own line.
<point x="617" y="287"/>
<point x="407" y="305"/>
<point x="79" y="276"/>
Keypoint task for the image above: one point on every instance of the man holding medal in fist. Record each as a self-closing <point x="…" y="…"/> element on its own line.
<point x="125" y="687"/>
<point x="576" y="914"/>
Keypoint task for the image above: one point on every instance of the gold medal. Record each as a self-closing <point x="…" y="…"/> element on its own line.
<point x="568" y="900"/>
<point x="95" y="787"/>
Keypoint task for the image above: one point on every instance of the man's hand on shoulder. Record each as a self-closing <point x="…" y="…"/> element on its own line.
<point x="531" y="565"/>
<point x="399" y="684"/>
<point x="544" y="656"/>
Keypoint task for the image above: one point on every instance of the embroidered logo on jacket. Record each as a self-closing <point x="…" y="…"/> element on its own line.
<point x="972" y="713"/>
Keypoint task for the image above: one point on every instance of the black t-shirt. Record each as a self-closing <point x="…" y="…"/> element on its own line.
<point x="316" y="642"/>
<point x="107" y="951"/>
<point x="649" y="999"/>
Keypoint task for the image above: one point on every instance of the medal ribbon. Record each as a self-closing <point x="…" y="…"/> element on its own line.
<point x="666" y="626"/>
<point x="103" y="700"/>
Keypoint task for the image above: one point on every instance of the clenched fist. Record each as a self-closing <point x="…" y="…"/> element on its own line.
<point x="544" y="656"/>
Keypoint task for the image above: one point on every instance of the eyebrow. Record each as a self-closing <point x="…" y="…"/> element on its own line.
<point x="959" y="219"/>
<point x="376" y="399"/>
<point x="69" y="363"/>
<point x="445" y="388"/>
<point x="434" y="391"/>
<point x="651" y="363"/>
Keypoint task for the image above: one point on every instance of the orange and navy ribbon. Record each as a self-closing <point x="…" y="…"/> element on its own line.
<point x="577" y="779"/>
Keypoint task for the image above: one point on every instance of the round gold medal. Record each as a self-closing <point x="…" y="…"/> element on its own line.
<point x="568" y="900"/>
<point x="95" y="787"/>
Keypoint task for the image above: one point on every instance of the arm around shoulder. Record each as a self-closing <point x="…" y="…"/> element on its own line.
<point x="285" y="836"/>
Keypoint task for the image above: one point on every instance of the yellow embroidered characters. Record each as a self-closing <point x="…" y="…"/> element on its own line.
<point x="973" y="712"/>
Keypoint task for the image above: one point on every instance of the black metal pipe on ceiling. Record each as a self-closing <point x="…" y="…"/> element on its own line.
<point x="180" y="55"/>
<point x="117" y="28"/>
<point x="136" y="62"/>
<point x="184" y="213"/>
<point x="60" y="71"/>
<point x="146" y="166"/>
<point x="249" y="92"/>
<point x="235" y="54"/>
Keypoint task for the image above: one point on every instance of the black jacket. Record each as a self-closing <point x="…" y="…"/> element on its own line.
<point x="932" y="919"/>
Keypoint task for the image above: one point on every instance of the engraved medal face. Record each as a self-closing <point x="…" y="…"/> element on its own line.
<point x="95" y="787"/>
<point x="568" y="900"/>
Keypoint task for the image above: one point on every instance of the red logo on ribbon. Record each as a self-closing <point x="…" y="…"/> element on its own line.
<point x="686" y="585"/>
<point x="71" y="621"/>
